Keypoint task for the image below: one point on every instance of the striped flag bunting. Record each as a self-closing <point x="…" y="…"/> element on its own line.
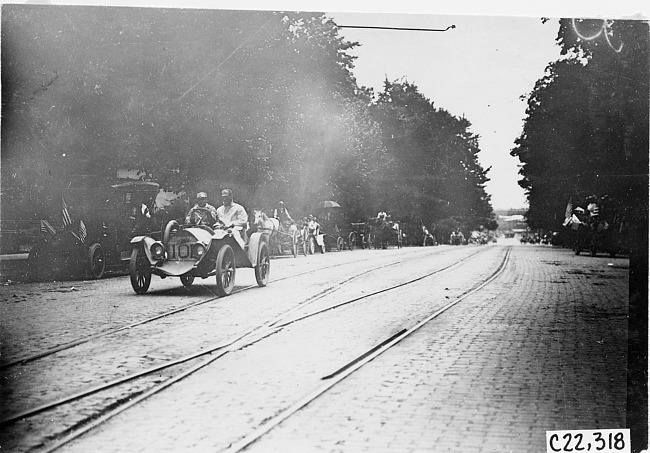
<point x="46" y="227"/>
<point x="67" y="221"/>
<point x="83" y="232"/>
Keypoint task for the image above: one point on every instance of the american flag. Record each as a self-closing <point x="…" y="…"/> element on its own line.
<point x="46" y="227"/>
<point x="82" y="231"/>
<point x="65" y="214"/>
<point x="569" y="209"/>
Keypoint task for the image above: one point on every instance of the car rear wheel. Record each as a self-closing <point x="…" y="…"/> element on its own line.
<point x="312" y="245"/>
<point x="339" y="244"/>
<point x="225" y="271"/>
<point x="96" y="261"/>
<point x="187" y="280"/>
<point x="263" y="265"/>
<point x="140" y="271"/>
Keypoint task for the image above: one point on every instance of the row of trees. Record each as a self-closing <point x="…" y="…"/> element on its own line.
<point x="263" y="102"/>
<point x="586" y="131"/>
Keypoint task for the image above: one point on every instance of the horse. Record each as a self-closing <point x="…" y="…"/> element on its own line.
<point x="265" y="223"/>
<point x="269" y="225"/>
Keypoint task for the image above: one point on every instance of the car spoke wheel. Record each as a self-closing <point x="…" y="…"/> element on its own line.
<point x="263" y="265"/>
<point x="97" y="261"/>
<point x="187" y="280"/>
<point x="140" y="271"/>
<point x="312" y="245"/>
<point x="339" y="244"/>
<point x="225" y="271"/>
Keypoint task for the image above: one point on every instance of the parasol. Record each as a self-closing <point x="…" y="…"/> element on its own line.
<point x="327" y="204"/>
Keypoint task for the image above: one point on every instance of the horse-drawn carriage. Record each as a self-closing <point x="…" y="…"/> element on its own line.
<point x="383" y="231"/>
<point x="360" y="236"/>
<point x="281" y="237"/>
<point x="191" y="251"/>
<point x="326" y="235"/>
<point x="601" y="236"/>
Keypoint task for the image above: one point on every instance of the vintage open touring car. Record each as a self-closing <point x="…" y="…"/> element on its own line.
<point x="190" y="251"/>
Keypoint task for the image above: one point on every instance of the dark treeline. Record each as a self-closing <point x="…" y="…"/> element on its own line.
<point x="586" y="132"/>
<point x="263" y="102"/>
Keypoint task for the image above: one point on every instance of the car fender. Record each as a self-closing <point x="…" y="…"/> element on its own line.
<point x="145" y="242"/>
<point x="254" y="245"/>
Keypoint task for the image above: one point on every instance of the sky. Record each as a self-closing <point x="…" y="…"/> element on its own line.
<point x="479" y="70"/>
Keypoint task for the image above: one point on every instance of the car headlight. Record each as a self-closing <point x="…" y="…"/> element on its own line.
<point x="198" y="251"/>
<point x="157" y="251"/>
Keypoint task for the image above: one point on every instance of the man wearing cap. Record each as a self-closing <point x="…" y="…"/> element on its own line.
<point x="231" y="214"/>
<point x="282" y="214"/>
<point x="202" y="213"/>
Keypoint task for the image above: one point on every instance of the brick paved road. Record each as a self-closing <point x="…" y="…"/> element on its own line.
<point x="543" y="347"/>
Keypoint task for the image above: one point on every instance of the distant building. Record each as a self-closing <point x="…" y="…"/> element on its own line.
<point x="512" y="223"/>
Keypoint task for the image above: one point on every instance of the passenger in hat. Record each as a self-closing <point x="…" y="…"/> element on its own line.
<point x="202" y="213"/>
<point x="231" y="214"/>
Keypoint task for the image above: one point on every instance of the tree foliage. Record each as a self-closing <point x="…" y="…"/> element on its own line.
<point x="586" y="131"/>
<point x="263" y="102"/>
<point x="434" y="171"/>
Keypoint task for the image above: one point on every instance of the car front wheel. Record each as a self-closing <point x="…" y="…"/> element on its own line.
<point x="140" y="271"/>
<point x="96" y="261"/>
<point x="225" y="271"/>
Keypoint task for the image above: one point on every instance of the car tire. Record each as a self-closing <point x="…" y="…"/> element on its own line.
<point x="96" y="261"/>
<point x="225" y="271"/>
<point x="139" y="271"/>
<point x="263" y="266"/>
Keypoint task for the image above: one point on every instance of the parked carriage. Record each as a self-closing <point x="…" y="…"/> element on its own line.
<point x="457" y="238"/>
<point x="98" y="223"/>
<point x="329" y="237"/>
<point x="603" y="237"/>
<point x="360" y="236"/>
<point x="383" y="232"/>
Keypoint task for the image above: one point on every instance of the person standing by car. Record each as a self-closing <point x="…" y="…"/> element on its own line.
<point x="202" y="213"/>
<point x="231" y="214"/>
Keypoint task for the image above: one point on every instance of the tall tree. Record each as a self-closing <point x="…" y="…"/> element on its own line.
<point x="435" y="171"/>
<point x="587" y="126"/>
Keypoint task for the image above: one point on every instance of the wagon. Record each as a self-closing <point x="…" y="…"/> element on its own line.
<point x="290" y="239"/>
<point x="380" y="234"/>
<point x="193" y="251"/>
<point x="360" y="236"/>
